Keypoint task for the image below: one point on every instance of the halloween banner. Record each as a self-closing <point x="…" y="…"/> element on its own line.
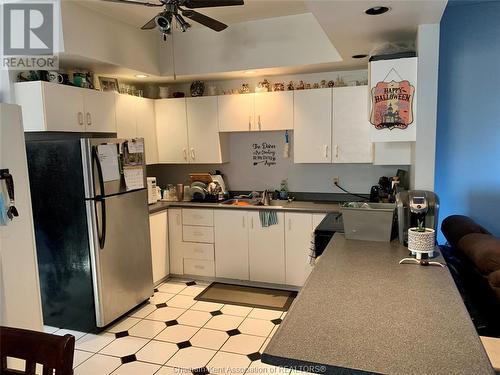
<point x="392" y="105"/>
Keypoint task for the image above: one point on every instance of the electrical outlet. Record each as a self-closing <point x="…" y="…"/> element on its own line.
<point x="335" y="179"/>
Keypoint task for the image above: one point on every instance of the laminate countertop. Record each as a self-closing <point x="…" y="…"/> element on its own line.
<point x="361" y="312"/>
<point x="297" y="206"/>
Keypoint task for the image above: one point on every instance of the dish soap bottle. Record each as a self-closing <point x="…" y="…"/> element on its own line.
<point x="284" y="189"/>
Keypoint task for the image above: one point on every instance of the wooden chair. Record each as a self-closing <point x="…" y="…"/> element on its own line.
<point x="54" y="353"/>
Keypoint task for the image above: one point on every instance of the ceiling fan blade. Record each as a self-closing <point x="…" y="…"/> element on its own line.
<point x="151" y="24"/>
<point x="192" y="4"/>
<point x="135" y="2"/>
<point x="204" y="20"/>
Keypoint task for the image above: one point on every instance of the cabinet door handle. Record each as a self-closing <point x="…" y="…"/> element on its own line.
<point x="289" y="224"/>
<point x="337" y="151"/>
<point x="251" y="222"/>
<point x="198" y="251"/>
<point x="243" y="222"/>
<point x="326" y="151"/>
<point x="185" y="154"/>
<point x="249" y="123"/>
<point x="198" y="267"/>
<point x="193" y="155"/>
<point x="80" y="118"/>
<point x="260" y="125"/>
<point x="178" y="219"/>
<point x="89" y="118"/>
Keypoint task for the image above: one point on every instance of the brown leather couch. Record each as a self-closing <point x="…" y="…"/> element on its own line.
<point x="473" y="255"/>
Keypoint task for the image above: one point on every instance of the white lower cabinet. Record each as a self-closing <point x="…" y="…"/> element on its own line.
<point x="175" y="241"/>
<point x="298" y="233"/>
<point x="231" y="244"/>
<point x="266" y="250"/>
<point x="158" y="226"/>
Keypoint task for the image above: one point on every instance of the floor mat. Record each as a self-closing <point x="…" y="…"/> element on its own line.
<point x="267" y="298"/>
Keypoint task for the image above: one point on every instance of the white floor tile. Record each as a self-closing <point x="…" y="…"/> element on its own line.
<point x="206" y="306"/>
<point x="143" y="311"/>
<point x="94" y="343"/>
<point x="193" y="290"/>
<point x="80" y="356"/>
<point x="177" y="333"/>
<point x="243" y="344"/>
<point x="123" y="325"/>
<point x="147" y="329"/>
<point x="265" y="314"/>
<point x="77" y="334"/>
<point x="191" y="358"/>
<point x="274" y="331"/>
<point x="257" y="327"/>
<point x="257" y="367"/>
<point x="209" y="339"/>
<point x="224" y="322"/>
<point x="170" y="287"/>
<point x="98" y="364"/>
<point x="157" y="352"/>
<point x="165" y="370"/>
<point x="194" y="318"/>
<point x="165" y="314"/>
<point x="228" y="363"/>
<point x="236" y="310"/>
<point x="136" y="368"/>
<point x="264" y="346"/>
<point x="124" y="346"/>
<point x="184" y="302"/>
<point x="160" y="297"/>
<point x="50" y="329"/>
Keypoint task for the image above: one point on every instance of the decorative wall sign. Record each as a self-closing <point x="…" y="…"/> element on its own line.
<point x="264" y="154"/>
<point x="394" y="100"/>
<point x="392" y="105"/>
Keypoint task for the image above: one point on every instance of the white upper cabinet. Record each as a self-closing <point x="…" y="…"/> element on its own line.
<point x="99" y="111"/>
<point x="266" y="250"/>
<point x="351" y="128"/>
<point x="171" y="130"/>
<point x="312" y="138"/>
<point x="206" y="145"/>
<point x="53" y="107"/>
<point x="274" y="110"/>
<point x="146" y="127"/>
<point x="50" y="107"/>
<point x="126" y="119"/>
<point x="298" y="232"/>
<point x="236" y="113"/>
<point x="231" y="244"/>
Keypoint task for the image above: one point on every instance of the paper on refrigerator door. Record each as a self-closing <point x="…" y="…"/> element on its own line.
<point x="134" y="178"/>
<point x="108" y="157"/>
<point x="136" y="146"/>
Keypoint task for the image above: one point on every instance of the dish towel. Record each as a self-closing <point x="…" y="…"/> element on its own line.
<point x="268" y="218"/>
<point x="3" y="210"/>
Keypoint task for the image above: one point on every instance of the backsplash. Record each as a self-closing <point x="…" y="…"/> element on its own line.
<point x="242" y="174"/>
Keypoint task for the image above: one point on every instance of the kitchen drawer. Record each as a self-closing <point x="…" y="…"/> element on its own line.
<point x="193" y="250"/>
<point x="198" y="217"/>
<point x="197" y="234"/>
<point x="199" y="267"/>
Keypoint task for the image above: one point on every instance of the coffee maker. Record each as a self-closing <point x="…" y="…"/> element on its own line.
<point x="414" y="207"/>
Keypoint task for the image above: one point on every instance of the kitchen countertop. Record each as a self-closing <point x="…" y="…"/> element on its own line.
<point x="298" y="206"/>
<point x="361" y="312"/>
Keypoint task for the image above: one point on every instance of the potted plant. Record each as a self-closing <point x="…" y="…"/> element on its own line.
<point x="421" y="240"/>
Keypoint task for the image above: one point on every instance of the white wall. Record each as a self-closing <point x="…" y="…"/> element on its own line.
<point x="275" y="42"/>
<point x="424" y="149"/>
<point x="94" y="36"/>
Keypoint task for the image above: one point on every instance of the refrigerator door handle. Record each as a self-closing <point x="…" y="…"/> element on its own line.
<point x="99" y="199"/>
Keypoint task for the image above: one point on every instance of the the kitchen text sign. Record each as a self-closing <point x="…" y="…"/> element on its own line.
<point x="264" y="154"/>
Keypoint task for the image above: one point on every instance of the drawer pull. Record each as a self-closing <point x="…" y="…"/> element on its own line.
<point x="199" y="267"/>
<point x="198" y="250"/>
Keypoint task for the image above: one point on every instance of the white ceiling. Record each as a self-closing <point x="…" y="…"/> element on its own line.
<point x="349" y="29"/>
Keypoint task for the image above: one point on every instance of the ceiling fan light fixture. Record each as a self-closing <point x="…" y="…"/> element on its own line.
<point x="376" y="11"/>
<point x="182" y="22"/>
<point x="360" y="56"/>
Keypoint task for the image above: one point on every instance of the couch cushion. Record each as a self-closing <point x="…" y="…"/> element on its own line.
<point x="483" y="250"/>
<point x="454" y="227"/>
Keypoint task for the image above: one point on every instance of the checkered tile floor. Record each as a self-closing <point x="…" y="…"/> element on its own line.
<point x="174" y="334"/>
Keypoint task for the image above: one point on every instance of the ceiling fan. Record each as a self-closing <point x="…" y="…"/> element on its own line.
<point x="174" y="10"/>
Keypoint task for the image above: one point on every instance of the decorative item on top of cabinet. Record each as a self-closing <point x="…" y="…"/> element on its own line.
<point x="108" y="84"/>
<point x="290" y="86"/>
<point x="263" y="86"/>
<point x="245" y="89"/>
<point x="279" y="86"/>
<point x="197" y="88"/>
<point x="393" y="86"/>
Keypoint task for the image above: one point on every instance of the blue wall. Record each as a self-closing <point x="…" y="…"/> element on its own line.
<point x="468" y="130"/>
